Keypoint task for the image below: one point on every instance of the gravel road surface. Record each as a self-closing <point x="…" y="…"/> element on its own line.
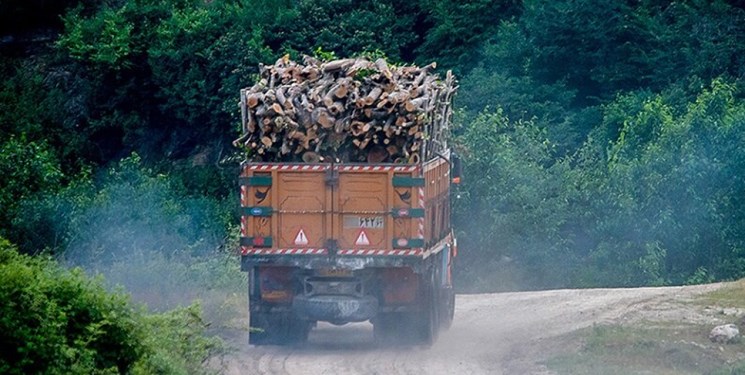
<point x="503" y="333"/>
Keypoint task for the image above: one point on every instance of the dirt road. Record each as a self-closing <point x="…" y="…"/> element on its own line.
<point x="505" y="333"/>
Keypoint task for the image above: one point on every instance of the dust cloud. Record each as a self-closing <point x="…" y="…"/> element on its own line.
<point x="165" y="248"/>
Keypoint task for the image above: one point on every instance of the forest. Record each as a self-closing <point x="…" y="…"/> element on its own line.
<point x="602" y="140"/>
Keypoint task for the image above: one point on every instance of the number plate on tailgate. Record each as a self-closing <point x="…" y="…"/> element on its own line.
<point x="364" y="222"/>
<point x="334" y="272"/>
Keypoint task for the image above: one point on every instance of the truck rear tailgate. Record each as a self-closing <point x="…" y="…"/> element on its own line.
<point x="347" y="210"/>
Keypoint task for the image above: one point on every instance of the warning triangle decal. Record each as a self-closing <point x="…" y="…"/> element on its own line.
<point x="301" y="238"/>
<point x="362" y="239"/>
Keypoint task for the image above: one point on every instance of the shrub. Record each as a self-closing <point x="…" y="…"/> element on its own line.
<point x="177" y="343"/>
<point x="58" y="321"/>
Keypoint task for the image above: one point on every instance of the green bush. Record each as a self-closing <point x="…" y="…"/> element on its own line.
<point x="26" y="168"/>
<point x="56" y="321"/>
<point x="177" y="343"/>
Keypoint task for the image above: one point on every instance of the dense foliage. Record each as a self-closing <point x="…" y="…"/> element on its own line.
<point x="602" y="146"/>
<point x="58" y="321"/>
<point x="657" y="205"/>
<point x="600" y="138"/>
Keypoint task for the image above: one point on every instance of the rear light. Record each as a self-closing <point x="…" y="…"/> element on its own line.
<point x="275" y="284"/>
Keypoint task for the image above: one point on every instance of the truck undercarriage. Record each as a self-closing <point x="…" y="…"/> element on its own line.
<point x="405" y="299"/>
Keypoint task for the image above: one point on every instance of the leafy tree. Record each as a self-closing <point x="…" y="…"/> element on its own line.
<point x="503" y="79"/>
<point x="515" y="193"/>
<point x="164" y="75"/>
<point x="662" y="206"/>
<point x="21" y="18"/>
<point x="27" y="168"/>
<point x="611" y="154"/>
<point x="657" y="206"/>
<point x="455" y="29"/>
<point x="601" y="48"/>
<point x="345" y="27"/>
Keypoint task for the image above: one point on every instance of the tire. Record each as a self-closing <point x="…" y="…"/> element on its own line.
<point x="408" y="328"/>
<point x="419" y="327"/>
<point x="447" y="307"/>
<point x="428" y="324"/>
<point x="386" y="328"/>
<point x="264" y="329"/>
<point x="277" y="329"/>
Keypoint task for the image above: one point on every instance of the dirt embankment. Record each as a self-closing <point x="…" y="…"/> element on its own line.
<point x="505" y="333"/>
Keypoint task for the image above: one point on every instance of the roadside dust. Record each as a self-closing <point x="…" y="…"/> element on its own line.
<point x="504" y="333"/>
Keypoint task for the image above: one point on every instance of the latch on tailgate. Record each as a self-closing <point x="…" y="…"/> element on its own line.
<point x="332" y="246"/>
<point x="332" y="177"/>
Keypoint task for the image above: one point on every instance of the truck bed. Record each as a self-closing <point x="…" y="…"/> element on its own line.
<point x="344" y="210"/>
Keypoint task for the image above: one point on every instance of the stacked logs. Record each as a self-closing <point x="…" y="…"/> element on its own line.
<point x="348" y="110"/>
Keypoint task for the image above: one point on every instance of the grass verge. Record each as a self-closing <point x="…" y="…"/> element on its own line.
<point x="660" y="347"/>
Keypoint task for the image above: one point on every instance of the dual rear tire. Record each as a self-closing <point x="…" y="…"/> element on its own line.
<point x="277" y="329"/>
<point x="413" y="327"/>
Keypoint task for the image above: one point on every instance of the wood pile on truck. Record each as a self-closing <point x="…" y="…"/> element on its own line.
<point x="346" y="111"/>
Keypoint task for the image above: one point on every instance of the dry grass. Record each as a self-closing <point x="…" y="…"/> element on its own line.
<point x="672" y="347"/>
<point x="732" y="295"/>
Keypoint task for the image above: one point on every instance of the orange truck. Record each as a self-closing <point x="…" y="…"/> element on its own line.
<point x="348" y="243"/>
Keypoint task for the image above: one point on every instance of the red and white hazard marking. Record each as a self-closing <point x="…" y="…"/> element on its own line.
<point x="420" y="231"/>
<point x="377" y="168"/>
<point x="306" y="251"/>
<point x="285" y="167"/>
<point x="344" y="252"/>
<point x="322" y="167"/>
<point x="377" y="252"/>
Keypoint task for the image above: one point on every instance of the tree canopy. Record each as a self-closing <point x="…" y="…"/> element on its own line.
<point x="601" y="139"/>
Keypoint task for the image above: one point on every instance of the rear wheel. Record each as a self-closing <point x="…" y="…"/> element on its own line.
<point x="277" y="329"/>
<point x="387" y="327"/>
<point x="410" y="328"/>
<point x="447" y="307"/>
<point x="428" y="323"/>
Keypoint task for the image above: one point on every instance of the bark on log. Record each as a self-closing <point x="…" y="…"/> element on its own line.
<point x="346" y="110"/>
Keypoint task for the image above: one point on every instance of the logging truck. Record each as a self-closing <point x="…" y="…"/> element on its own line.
<point x="340" y="240"/>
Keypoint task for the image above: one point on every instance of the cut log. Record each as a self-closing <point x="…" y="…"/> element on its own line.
<point x="392" y="149"/>
<point x="373" y="95"/>
<point x="322" y="117"/>
<point x="383" y="68"/>
<point x="315" y="111"/>
<point x="252" y="100"/>
<point x="337" y="65"/>
<point x="376" y="155"/>
<point x="311" y="157"/>
<point x="277" y="109"/>
<point x="336" y="108"/>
